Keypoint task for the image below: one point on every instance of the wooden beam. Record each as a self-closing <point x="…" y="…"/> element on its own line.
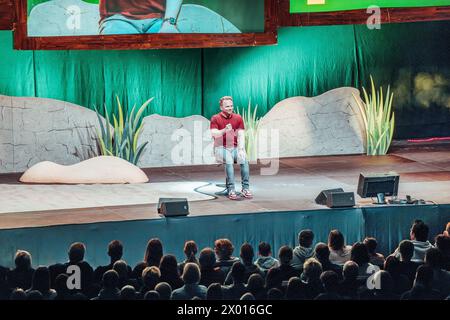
<point x="388" y="15"/>
<point x="6" y="14"/>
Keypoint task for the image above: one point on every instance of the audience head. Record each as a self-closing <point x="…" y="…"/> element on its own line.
<point x="207" y="259"/>
<point x="384" y="280"/>
<point x="150" y="277"/>
<point x="330" y="281"/>
<point x="305" y="238"/>
<point x="128" y="293"/>
<point x="443" y="244"/>
<point x="35" y="295"/>
<point x="76" y="252"/>
<point x="115" y="250"/>
<point x="169" y="265"/>
<point x="190" y="250"/>
<point x="153" y="252"/>
<point x="214" y="292"/>
<point x="78" y="296"/>
<point x="350" y="270"/>
<point x="152" y="295"/>
<point x="247" y="253"/>
<point x="336" y="240"/>
<point x="121" y="267"/>
<point x="18" y="294"/>
<point x="164" y="289"/>
<point x="255" y="283"/>
<point x="274" y="294"/>
<point x="41" y="280"/>
<point x="433" y="258"/>
<point x="371" y="245"/>
<point x="191" y="273"/>
<point x="419" y="231"/>
<point x="238" y="272"/>
<point x="285" y="255"/>
<point x="110" y="279"/>
<point x="294" y="289"/>
<point x="223" y="249"/>
<point x="406" y="249"/>
<point x="61" y="283"/>
<point x="424" y="276"/>
<point x="360" y="254"/>
<point x="22" y="260"/>
<point x="322" y="252"/>
<point x="247" y="296"/>
<point x="264" y="249"/>
<point x="312" y="269"/>
<point x="393" y="266"/>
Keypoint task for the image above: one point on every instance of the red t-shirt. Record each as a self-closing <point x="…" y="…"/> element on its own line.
<point x="133" y="9"/>
<point x="220" y="121"/>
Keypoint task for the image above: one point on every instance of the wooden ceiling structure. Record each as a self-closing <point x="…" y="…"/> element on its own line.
<point x="13" y="17"/>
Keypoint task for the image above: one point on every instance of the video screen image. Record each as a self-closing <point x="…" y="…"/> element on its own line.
<point x="51" y="18"/>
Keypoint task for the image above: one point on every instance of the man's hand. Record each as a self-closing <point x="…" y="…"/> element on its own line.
<point x="228" y="127"/>
<point x="168" y="28"/>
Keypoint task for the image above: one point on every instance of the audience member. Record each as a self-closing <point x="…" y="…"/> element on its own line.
<point x="330" y="282"/>
<point x="376" y="259"/>
<point x="237" y="288"/>
<point x="191" y="287"/>
<point x="190" y="251"/>
<point x="419" y="238"/>
<point x="22" y="274"/>
<point x="407" y="267"/>
<point x="214" y="292"/>
<point x="304" y="250"/>
<point x="278" y="277"/>
<point x="247" y="255"/>
<point x="224" y="250"/>
<point x="265" y="260"/>
<point x="423" y="286"/>
<point x="209" y="272"/>
<point x="115" y="252"/>
<point x="164" y="289"/>
<point x="152" y="258"/>
<point x="322" y="254"/>
<point x="169" y="271"/>
<point x="41" y="284"/>
<point x="339" y="252"/>
<point x="255" y="286"/>
<point x="441" y="278"/>
<point x="110" y="289"/>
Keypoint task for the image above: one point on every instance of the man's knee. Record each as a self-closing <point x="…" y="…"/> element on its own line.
<point x="116" y="26"/>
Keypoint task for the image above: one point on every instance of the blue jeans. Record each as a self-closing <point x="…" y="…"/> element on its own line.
<point x="119" y="24"/>
<point x="229" y="156"/>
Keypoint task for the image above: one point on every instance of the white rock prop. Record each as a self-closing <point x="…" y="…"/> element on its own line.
<point x="103" y="169"/>
<point x="329" y="124"/>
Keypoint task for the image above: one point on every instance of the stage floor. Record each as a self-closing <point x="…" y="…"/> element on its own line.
<point x="424" y="174"/>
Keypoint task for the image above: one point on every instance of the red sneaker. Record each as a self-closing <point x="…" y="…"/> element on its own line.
<point x="246" y="193"/>
<point x="232" y="195"/>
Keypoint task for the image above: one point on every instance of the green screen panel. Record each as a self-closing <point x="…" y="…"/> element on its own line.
<point x="307" y="6"/>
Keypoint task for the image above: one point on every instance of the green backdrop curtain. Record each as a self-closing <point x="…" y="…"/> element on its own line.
<point x="414" y="58"/>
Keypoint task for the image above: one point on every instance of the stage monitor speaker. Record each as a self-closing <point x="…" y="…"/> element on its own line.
<point x="173" y="207"/>
<point x="340" y="199"/>
<point x="322" y="197"/>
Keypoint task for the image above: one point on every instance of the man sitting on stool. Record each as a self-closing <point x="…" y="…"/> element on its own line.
<point x="227" y="128"/>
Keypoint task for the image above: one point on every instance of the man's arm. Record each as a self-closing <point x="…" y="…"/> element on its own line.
<point x="216" y="133"/>
<point x="241" y="140"/>
<point x="172" y="10"/>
